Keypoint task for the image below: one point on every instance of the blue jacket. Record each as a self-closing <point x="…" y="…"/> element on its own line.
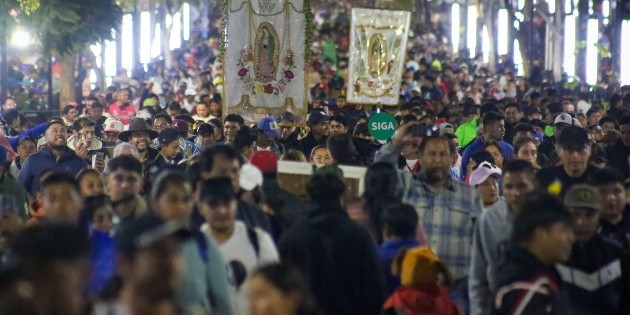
<point x="34" y="133"/>
<point x="43" y="160"/>
<point x="386" y="254"/>
<point x="103" y="261"/>
<point x="478" y="145"/>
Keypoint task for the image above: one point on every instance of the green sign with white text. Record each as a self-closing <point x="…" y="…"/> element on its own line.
<point x="382" y="126"/>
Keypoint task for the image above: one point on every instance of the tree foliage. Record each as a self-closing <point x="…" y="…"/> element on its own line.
<point x="63" y="26"/>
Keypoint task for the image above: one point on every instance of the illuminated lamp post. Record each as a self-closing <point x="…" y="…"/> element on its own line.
<point x="592" y="58"/>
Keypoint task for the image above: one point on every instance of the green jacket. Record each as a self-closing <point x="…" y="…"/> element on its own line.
<point x="466" y="132"/>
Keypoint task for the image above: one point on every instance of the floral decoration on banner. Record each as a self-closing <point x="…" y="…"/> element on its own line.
<point x="276" y="87"/>
<point x="224" y="16"/>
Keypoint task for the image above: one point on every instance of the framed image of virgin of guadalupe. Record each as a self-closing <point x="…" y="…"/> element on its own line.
<point x="264" y="57"/>
<point x="378" y="41"/>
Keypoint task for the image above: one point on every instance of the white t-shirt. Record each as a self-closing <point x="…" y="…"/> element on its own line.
<point x="238" y="253"/>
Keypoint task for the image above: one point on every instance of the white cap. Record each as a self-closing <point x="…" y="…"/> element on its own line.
<point x="113" y="125"/>
<point x="251" y="177"/>
<point x="446" y="128"/>
<point x="190" y="92"/>
<point x="563" y="118"/>
<point x="483" y="171"/>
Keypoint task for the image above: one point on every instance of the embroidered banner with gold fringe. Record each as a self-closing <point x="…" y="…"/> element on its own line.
<point x="378" y="41"/>
<point x="264" y="57"/>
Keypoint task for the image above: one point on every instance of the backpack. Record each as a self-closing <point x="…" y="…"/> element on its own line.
<point x="202" y="245"/>
<point x="253" y="239"/>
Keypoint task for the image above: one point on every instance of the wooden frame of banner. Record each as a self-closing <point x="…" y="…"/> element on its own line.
<point x="293" y="177"/>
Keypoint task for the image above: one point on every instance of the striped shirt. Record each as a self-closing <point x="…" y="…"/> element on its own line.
<point x="447" y="216"/>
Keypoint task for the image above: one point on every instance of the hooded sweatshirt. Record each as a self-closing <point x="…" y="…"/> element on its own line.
<point x="339" y="260"/>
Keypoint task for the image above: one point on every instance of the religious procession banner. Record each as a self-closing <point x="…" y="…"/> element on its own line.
<point x="378" y="41"/>
<point x="264" y="57"/>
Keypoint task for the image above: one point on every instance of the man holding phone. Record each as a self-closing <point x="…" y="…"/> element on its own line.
<point x="86" y="145"/>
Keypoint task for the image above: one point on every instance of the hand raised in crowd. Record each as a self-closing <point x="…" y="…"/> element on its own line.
<point x="82" y="150"/>
<point x="404" y="135"/>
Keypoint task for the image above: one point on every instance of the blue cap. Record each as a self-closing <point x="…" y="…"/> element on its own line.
<point x="269" y="127"/>
<point x="317" y="117"/>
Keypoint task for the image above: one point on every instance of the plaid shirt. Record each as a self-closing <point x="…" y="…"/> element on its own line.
<point x="447" y="216"/>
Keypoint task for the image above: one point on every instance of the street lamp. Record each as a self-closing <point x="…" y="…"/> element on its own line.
<point x="21" y="38"/>
<point x="455" y="26"/>
<point x="126" y="45"/>
<point x="625" y="52"/>
<point x="471" y="41"/>
<point x="186" y="19"/>
<point x="569" y="45"/>
<point x="503" y="32"/>
<point x="592" y="64"/>
<point x="145" y="38"/>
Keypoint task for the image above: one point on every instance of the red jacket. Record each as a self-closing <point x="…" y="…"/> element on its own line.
<point x="428" y="299"/>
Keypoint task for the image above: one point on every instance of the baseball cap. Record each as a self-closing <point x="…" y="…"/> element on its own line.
<point x="55" y="120"/>
<point x="574" y="137"/>
<point x="483" y="171"/>
<point x="146" y="231"/>
<point x="217" y="189"/>
<point x="168" y="135"/>
<point x="286" y="119"/>
<point x="205" y="129"/>
<point x="113" y="125"/>
<point x="446" y="128"/>
<point x="265" y="161"/>
<point x="317" y="117"/>
<point x="268" y="126"/>
<point x="149" y="102"/>
<point x="181" y="126"/>
<point x="563" y="118"/>
<point x="190" y="92"/>
<point x="583" y="196"/>
<point x="250" y="177"/>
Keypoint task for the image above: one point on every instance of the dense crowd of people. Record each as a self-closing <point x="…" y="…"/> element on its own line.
<point x="497" y="194"/>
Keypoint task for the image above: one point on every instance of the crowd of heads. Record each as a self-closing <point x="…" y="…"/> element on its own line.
<point x="138" y="191"/>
